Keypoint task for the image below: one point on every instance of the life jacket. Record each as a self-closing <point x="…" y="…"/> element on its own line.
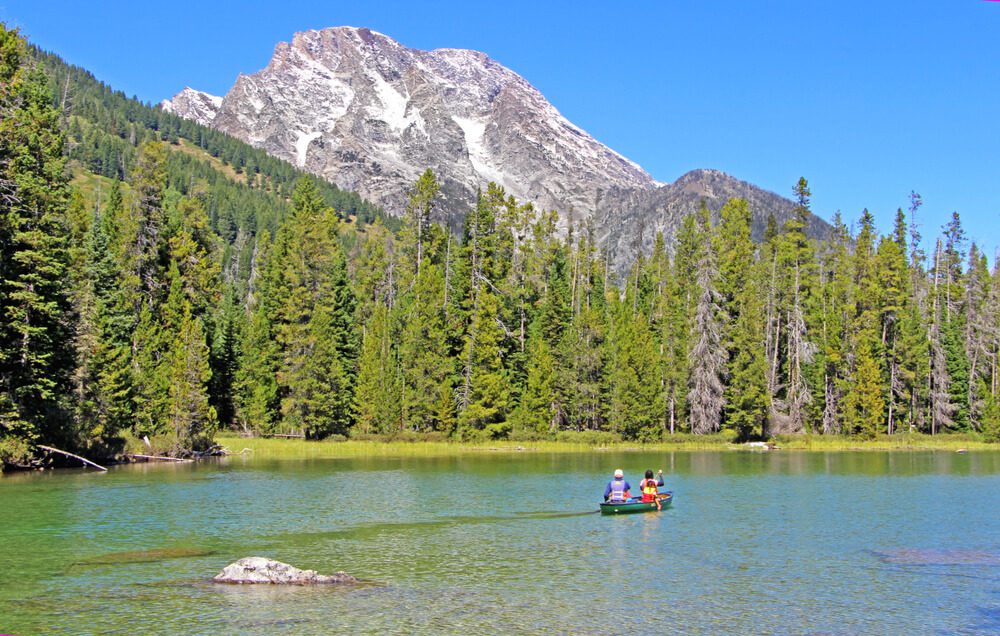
<point x="617" y="490"/>
<point x="649" y="490"/>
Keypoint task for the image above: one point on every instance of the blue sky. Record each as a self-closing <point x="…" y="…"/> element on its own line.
<point x="867" y="100"/>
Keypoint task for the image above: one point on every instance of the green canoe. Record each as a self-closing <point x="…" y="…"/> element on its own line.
<point x="635" y="505"/>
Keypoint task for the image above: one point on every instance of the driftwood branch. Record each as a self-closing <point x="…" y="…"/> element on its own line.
<point x="163" y="457"/>
<point x="82" y="459"/>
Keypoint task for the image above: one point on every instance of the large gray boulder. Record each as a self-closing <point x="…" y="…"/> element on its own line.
<point x="261" y="570"/>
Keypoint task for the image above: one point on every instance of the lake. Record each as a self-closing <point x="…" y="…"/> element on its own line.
<point x="755" y="543"/>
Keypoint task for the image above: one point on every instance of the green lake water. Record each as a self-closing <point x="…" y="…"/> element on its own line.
<point x="755" y="543"/>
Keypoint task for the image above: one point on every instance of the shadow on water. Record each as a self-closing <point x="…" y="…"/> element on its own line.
<point x="455" y="521"/>
<point x="989" y="620"/>
<point x="945" y="563"/>
<point x="139" y="556"/>
<point x="921" y="556"/>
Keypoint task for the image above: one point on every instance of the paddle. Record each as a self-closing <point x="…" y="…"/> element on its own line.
<point x="659" y="475"/>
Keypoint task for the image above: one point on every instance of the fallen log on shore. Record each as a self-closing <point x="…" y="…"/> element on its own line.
<point x="160" y="457"/>
<point x="68" y="454"/>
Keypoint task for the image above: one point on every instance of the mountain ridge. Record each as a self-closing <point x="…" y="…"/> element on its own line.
<point x="369" y="114"/>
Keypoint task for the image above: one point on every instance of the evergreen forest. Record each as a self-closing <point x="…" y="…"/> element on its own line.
<point x="161" y="281"/>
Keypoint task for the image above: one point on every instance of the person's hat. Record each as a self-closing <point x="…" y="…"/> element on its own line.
<point x="619" y="473"/>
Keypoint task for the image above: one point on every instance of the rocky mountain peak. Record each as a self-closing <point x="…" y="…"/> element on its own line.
<point x="369" y="114"/>
<point x="195" y="105"/>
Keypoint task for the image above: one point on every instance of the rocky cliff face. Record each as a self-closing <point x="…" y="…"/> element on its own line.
<point x="369" y="114"/>
<point x="628" y="220"/>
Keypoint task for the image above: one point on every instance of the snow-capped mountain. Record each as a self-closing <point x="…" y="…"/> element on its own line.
<point x="370" y="115"/>
<point x="194" y="105"/>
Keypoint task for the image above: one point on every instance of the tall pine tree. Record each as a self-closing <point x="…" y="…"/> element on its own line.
<point x="35" y="317"/>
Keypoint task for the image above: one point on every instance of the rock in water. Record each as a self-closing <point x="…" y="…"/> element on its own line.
<point x="261" y="570"/>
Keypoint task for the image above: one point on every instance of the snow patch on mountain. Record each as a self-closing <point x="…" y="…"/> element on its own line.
<point x="474" y="130"/>
<point x="392" y="104"/>
<point x="302" y="146"/>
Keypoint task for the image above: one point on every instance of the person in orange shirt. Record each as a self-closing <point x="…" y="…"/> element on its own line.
<point x="648" y="486"/>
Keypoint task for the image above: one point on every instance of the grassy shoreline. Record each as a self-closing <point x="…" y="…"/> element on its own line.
<point x="270" y="448"/>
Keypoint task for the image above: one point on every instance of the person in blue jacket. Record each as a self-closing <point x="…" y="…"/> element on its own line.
<point x="618" y="489"/>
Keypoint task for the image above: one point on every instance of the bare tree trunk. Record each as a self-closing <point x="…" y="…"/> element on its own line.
<point x="892" y="392"/>
<point x="447" y="276"/>
<point x="830" y="426"/>
<point x="673" y="420"/>
<point x="773" y="337"/>
<point x="420" y="243"/>
<point x="466" y="394"/>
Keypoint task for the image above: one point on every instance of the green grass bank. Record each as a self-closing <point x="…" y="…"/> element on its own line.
<point x="273" y="448"/>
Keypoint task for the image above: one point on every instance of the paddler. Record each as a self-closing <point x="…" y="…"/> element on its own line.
<point x="618" y="489"/>
<point x="649" y="488"/>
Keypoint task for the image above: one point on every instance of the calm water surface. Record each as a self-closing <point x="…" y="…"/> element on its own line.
<point x="755" y="543"/>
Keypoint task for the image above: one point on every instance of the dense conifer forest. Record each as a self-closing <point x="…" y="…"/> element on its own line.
<point x="159" y="279"/>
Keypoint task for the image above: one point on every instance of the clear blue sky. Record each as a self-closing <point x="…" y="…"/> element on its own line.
<point x="867" y="99"/>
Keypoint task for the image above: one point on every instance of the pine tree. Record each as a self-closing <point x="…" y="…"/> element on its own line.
<point x="708" y="357"/>
<point x="486" y="378"/>
<point x="35" y="316"/>
<point x="145" y="275"/>
<point x="155" y="337"/>
<point x="734" y="249"/>
<point x="979" y="327"/>
<point x="378" y="405"/>
<point x="917" y="327"/>
<point x="374" y="275"/>
<point x="796" y="269"/>
<point x="941" y="408"/>
<point x="894" y="294"/>
<point x="484" y="392"/>
<point x="833" y="326"/>
<point x="145" y="233"/>
<point x="583" y="376"/>
<point x="196" y="250"/>
<point x="536" y="411"/>
<point x="257" y="395"/>
<point x="990" y="419"/>
<point x="680" y="298"/>
<point x="190" y="417"/>
<point x="423" y="345"/>
<point x="634" y="402"/>
<point x="103" y="386"/>
<point x="953" y="327"/>
<point x="864" y="405"/>
<point x="990" y="384"/>
<point x="315" y="330"/>
<point x="257" y="399"/>
<point x="224" y="358"/>
<point x="421" y="311"/>
<point x="417" y="229"/>
<point x="746" y="396"/>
